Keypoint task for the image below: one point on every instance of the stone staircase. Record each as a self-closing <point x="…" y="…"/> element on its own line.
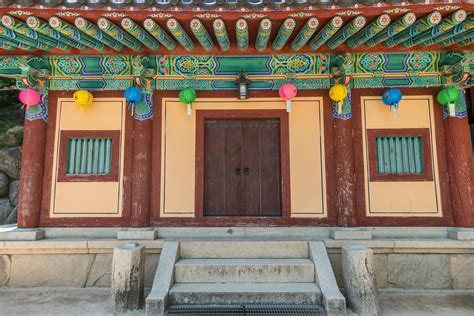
<point x="243" y="273"/>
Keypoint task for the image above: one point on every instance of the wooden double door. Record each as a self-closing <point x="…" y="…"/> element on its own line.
<point x="242" y="175"/>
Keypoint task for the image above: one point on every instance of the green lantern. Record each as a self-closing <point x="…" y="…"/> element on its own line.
<point x="448" y="98"/>
<point x="187" y="96"/>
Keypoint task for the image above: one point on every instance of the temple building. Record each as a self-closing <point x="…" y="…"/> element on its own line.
<point x="228" y="154"/>
<point x="243" y="113"/>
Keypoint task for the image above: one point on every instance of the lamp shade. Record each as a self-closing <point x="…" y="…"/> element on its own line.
<point x="29" y="98"/>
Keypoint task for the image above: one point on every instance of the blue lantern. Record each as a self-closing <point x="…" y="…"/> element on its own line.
<point x="133" y="95"/>
<point x="391" y="98"/>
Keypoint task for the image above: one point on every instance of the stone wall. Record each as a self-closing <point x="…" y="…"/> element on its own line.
<point x="66" y="263"/>
<point x="10" y="162"/>
<point x="433" y="265"/>
<point x="401" y="264"/>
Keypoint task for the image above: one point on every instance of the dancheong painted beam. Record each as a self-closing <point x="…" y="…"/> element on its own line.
<point x="266" y="72"/>
<point x="289" y="29"/>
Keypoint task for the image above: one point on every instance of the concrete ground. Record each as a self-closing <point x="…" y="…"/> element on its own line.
<point x="94" y="301"/>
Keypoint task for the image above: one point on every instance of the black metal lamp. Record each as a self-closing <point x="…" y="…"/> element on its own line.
<point x="243" y="85"/>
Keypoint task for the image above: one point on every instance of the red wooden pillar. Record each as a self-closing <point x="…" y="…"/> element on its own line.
<point x="344" y="173"/>
<point x="32" y="171"/>
<point x="141" y="173"/>
<point x="458" y="148"/>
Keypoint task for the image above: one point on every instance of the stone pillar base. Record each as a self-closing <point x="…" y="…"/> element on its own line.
<point x="137" y="234"/>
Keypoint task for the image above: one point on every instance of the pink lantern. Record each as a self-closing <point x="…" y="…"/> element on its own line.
<point x="287" y="92"/>
<point x="29" y="98"/>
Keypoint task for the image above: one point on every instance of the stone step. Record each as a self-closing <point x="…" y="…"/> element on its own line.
<point x="244" y="249"/>
<point x="244" y="270"/>
<point x="244" y="293"/>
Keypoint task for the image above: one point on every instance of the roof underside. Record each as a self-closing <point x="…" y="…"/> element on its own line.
<point x="43" y="27"/>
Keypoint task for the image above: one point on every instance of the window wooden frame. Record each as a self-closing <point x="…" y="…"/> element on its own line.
<point x="375" y="176"/>
<point x="113" y="176"/>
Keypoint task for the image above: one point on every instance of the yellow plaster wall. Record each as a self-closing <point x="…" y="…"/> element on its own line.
<point x="86" y="199"/>
<point x="401" y="198"/>
<point x="306" y="152"/>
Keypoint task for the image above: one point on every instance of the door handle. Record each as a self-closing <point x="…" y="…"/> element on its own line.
<point x="246" y="171"/>
<point x="237" y="171"/>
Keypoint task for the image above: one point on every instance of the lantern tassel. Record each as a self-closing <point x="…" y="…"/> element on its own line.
<point x="452" y="109"/>
<point x="339" y="107"/>
<point x="189" y="109"/>
<point x="288" y="105"/>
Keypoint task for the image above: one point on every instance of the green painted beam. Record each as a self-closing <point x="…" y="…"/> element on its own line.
<point x="8" y="43"/>
<point x="21" y="28"/>
<point x="284" y="33"/>
<point x="305" y="34"/>
<point x="139" y="33"/>
<point x="6" y="46"/>
<point x="420" y="26"/>
<point x="94" y="32"/>
<point x="347" y="32"/>
<point x="465" y="26"/>
<point x="327" y="32"/>
<point x="9" y="34"/>
<point x="220" y="32"/>
<point x="458" y="38"/>
<point x="43" y="27"/>
<point x="393" y="29"/>
<point x="446" y="24"/>
<point x="180" y="34"/>
<point x="120" y="35"/>
<point x="242" y="34"/>
<point x="263" y="35"/>
<point x="369" y="31"/>
<point x="72" y="32"/>
<point x="160" y="35"/>
<point x="467" y="41"/>
<point x="201" y="34"/>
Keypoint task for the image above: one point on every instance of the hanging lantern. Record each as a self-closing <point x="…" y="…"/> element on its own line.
<point x="338" y="93"/>
<point x="243" y="84"/>
<point x="187" y="96"/>
<point x="287" y="92"/>
<point x="448" y="98"/>
<point x="83" y="99"/>
<point x="29" y="98"/>
<point x="392" y="98"/>
<point x="133" y="95"/>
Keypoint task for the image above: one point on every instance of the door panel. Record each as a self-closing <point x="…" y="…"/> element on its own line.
<point x="242" y="168"/>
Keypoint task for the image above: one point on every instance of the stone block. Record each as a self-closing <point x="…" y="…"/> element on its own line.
<point x="4" y="184"/>
<point x="359" y="280"/>
<point x="26" y="234"/>
<point x="5" y="209"/>
<point x="462" y="271"/>
<point x="336" y="263"/>
<point x="10" y="161"/>
<point x="101" y="271"/>
<point x="151" y="264"/>
<point x="4" y="270"/>
<point x="419" y="271"/>
<point x="13" y="192"/>
<point x="157" y="300"/>
<point x="137" y="234"/>
<point x="128" y="276"/>
<point x="333" y="301"/>
<point x="381" y="270"/>
<point x="50" y="270"/>
<point x="350" y="233"/>
<point x="461" y="234"/>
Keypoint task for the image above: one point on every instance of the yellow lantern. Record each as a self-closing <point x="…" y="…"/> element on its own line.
<point x="83" y="99"/>
<point x="338" y="93"/>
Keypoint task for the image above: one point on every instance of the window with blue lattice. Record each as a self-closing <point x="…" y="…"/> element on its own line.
<point x="89" y="156"/>
<point x="400" y="154"/>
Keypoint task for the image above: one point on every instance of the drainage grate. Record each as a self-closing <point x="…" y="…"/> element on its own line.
<point x="246" y="310"/>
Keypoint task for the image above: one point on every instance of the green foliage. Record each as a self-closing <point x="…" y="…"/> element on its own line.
<point x="10" y="108"/>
